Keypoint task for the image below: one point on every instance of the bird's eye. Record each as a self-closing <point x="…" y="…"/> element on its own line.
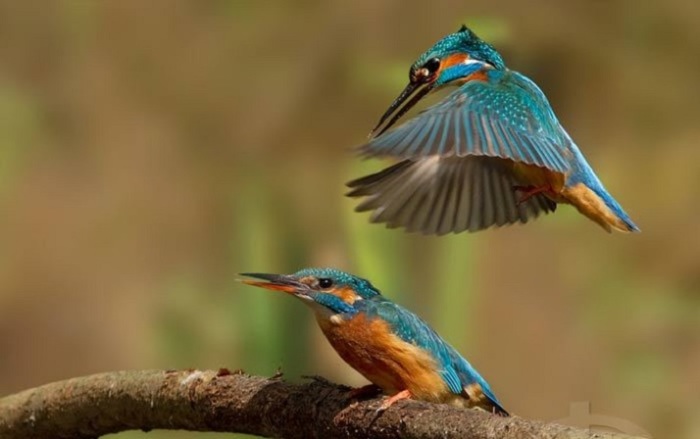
<point x="432" y="65"/>
<point x="324" y="282"/>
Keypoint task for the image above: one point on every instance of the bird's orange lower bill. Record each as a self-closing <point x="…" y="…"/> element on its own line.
<point x="270" y="286"/>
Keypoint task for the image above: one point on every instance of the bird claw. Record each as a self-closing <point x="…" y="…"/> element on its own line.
<point x="388" y="402"/>
<point x="530" y="191"/>
<point x="404" y="394"/>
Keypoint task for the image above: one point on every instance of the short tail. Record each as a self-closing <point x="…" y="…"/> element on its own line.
<point x="622" y="222"/>
<point x="598" y="205"/>
<point x="482" y="397"/>
<point x="500" y="411"/>
<point x="496" y="408"/>
<point x="586" y="192"/>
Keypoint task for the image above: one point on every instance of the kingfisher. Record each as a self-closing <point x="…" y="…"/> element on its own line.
<point x="386" y="343"/>
<point x="491" y="153"/>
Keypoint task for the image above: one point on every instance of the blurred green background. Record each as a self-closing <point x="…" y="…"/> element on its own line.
<point x="149" y="151"/>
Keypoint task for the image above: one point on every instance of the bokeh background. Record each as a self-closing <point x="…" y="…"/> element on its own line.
<point x="149" y="151"/>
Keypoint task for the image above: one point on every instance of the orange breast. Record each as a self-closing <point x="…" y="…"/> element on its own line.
<point x="384" y="359"/>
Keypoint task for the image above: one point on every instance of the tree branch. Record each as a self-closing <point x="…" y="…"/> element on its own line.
<point x="91" y="406"/>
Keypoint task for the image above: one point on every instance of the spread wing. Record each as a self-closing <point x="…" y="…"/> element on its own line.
<point x="457" y="373"/>
<point x="440" y="195"/>
<point x="506" y="116"/>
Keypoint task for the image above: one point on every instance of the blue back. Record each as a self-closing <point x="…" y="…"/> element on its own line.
<point x="456" y="371"/>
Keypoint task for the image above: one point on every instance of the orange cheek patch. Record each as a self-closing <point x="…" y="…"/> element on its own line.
<point x="479" y="75"/>
<point x="460" y="58"/>
<point x="457" y="58"/>
<point x="346" y="294"/>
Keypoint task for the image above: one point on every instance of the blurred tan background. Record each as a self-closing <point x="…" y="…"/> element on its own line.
<point x="149" y="151"/>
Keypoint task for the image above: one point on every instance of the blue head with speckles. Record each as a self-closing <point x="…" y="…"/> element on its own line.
<point x="333" y="279"/>
<point x="453" y="48"/>
<point x="333" y="289"/>
<point x="450" y="61"/>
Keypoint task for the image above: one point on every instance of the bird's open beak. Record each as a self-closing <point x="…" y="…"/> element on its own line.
<point x="277" y="282"/>
<point x="405" y="94"/>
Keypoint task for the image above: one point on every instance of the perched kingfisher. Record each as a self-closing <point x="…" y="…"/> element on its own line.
<point x="392" y="347"/>
<point x="491" y="153"/>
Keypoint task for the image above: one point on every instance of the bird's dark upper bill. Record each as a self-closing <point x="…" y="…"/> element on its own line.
<point x="277" y="282"/>
<point x="405" y="94"/>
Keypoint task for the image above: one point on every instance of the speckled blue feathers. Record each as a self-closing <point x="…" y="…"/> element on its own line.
<point x="464" y="40"/>
<point x="455" y="370"/>
<point x="506" y="116"/>
<point x="362" y="287"/>
<point x="389" y="345"/>
<point x="463" y="160"/>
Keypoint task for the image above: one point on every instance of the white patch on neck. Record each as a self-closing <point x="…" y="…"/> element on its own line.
<point x="337" y="319"/>
<point x="468" y="61"/>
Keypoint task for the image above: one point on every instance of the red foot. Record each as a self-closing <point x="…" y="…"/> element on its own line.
<point x="531" y="191"/>
<point x="404" y="394"/>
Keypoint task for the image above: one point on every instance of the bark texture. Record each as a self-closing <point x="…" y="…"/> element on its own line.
<point x="91" y="406"/>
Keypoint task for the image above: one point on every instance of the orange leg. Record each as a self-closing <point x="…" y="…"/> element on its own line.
<point x="531" y="191"/>
<point x="404" y="394"/>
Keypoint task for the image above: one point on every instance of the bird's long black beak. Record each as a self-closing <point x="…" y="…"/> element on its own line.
<point x="277" y="282"/>
<point x="405" y="94"/>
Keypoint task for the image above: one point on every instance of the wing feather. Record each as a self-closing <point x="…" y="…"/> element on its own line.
<point x="506" y="116"/>
<point x="443" y="195"/>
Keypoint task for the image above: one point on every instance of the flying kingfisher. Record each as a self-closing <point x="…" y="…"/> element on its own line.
<point x="389" y="345"/>
<point x="491" y="153"/>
